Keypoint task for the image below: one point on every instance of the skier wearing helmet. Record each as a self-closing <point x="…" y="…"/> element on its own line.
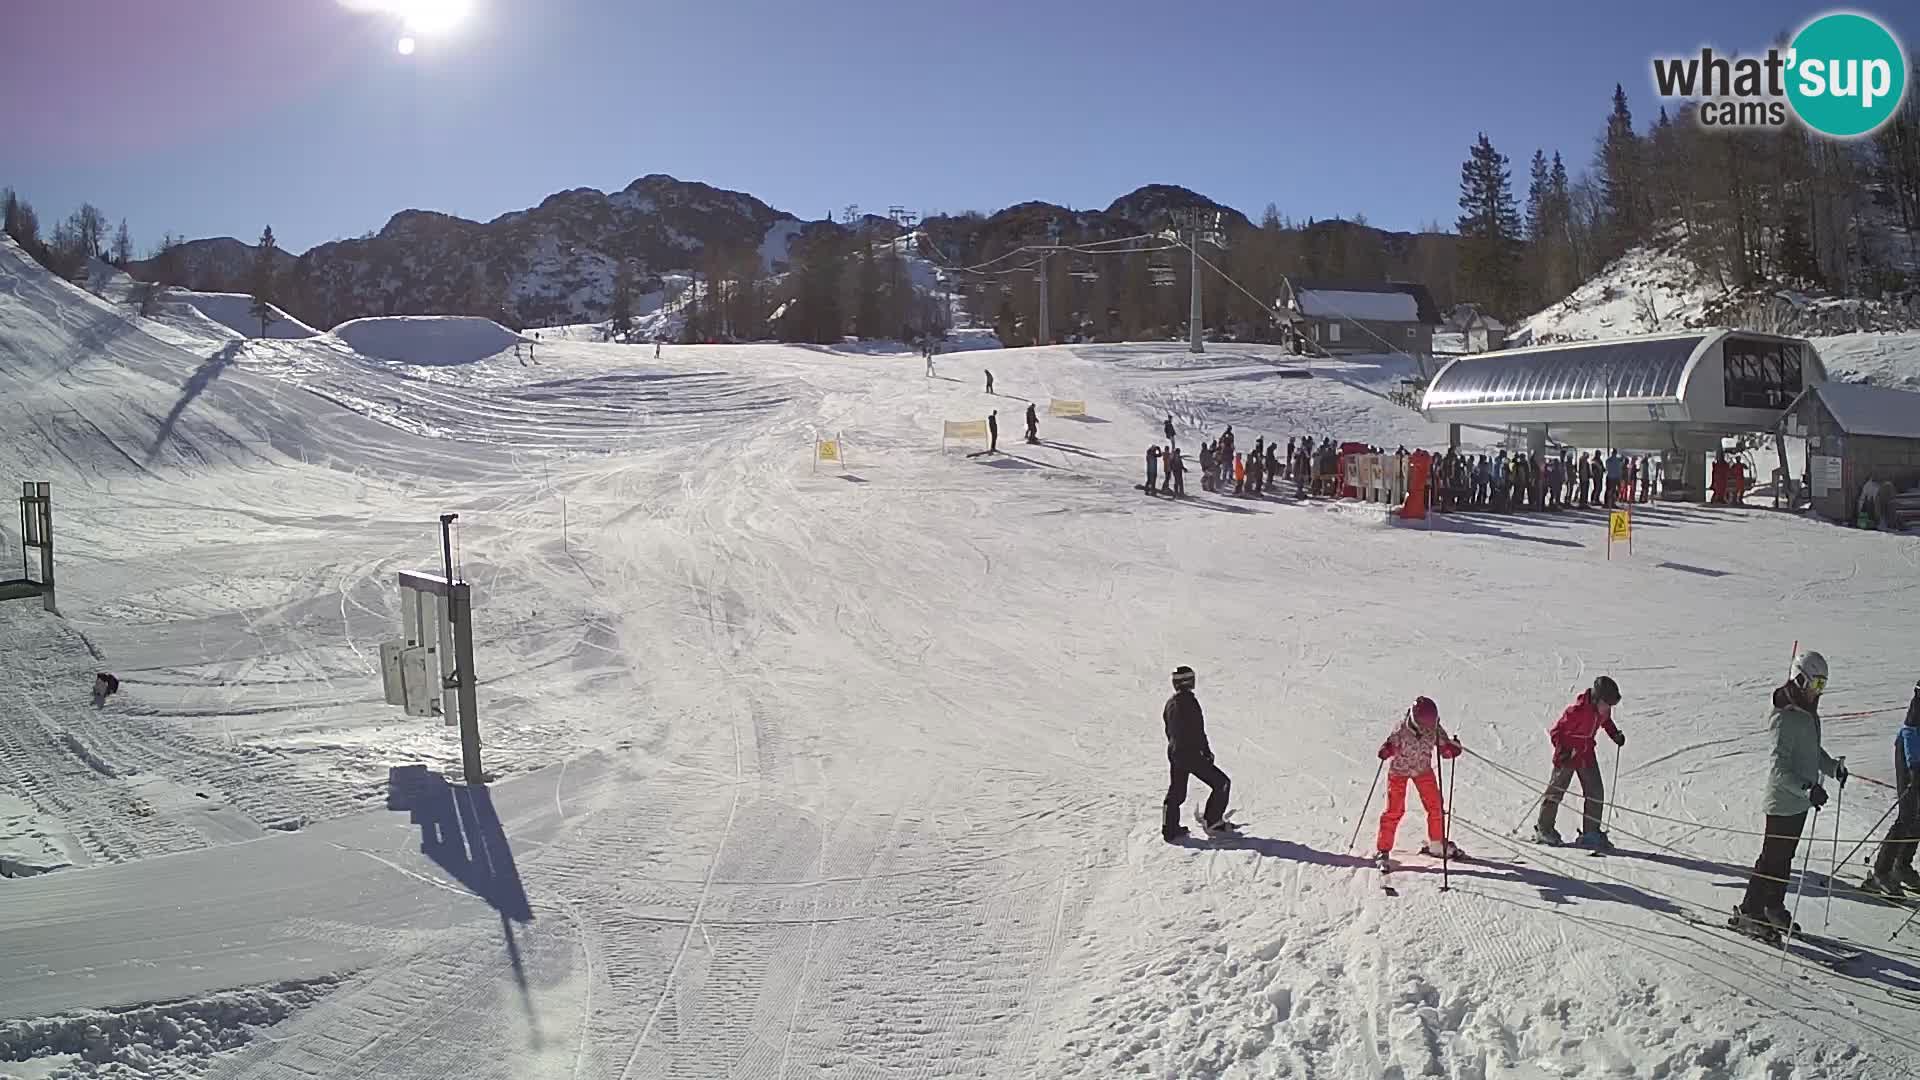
<point x="1793" y="788"/>
<point x="1409" y="751"/>
<point x="1189" y="755"/>
<point x="1573" y="738"/>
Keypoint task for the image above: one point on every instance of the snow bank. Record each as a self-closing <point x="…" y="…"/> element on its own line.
<point x="773" y="247"/>
<point x="1881" y="359"/>
<point x="427" y="339"/>
<point x="1643" y="292"/>
<point x="235" y="312"/>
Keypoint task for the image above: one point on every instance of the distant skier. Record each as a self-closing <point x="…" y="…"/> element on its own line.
<point x="1206" y="466"/>
<point x="1033" y="424"/>
<point x="1239" y="474"/>
<point x="1168" y="427"/>
<point x="1189" y="755"/>
<point x="1573" y="738"/>
<point x="993" y="431"/>
<point x="1893" y="871"/>
<point x="989" y="380"/>
<point x="1272" y="473"/>
<point x="1177" y="468"/>
<point x="1793" y="788"/>
<point x="1166" y="470"/>
<point x="1153" y="466"/>
<point x="105" y="685"/>
<point x="656" y="348"/>
<point x="926" y="353"/>
<point x="1409" y="752"/>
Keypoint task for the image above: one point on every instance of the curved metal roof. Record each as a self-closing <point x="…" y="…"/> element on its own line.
<point x="1643" y="369"/>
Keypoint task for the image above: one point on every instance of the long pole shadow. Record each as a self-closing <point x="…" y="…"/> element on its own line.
<point x="461" y="832"/>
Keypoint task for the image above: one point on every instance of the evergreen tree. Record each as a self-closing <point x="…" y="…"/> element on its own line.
<point x="869" y="320"/>
<point x="263" y="284"/>
<point x="122" y="245"/>
<point x="1622" y="179"/>
<point x="1539" y="190"/>
<point x="1489" y="228"/>
<point x="622" y="316"/>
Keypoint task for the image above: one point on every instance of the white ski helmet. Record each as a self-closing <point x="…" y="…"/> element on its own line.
<point x="1810" y="672"/>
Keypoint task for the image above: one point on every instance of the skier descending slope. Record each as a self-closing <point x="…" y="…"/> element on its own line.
<point x="1793" y="788"/>
<point x="1573" y="755"/>
<point x="1189" y="755"/>
<point x="1409" y="751"/>
<point x="1893" y="871"/>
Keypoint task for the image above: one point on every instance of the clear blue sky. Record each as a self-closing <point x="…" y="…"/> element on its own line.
<point x="215" y="117"/>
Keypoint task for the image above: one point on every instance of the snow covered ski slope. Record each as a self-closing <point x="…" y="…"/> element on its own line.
<point x="855" y="771"/>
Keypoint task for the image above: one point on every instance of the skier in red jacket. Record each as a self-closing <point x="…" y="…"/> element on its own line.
<point x="1409" y="751"/>
<point x="1573" y="738"/>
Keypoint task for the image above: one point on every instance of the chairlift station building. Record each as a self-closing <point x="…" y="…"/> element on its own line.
<point x="1678" y="394"/>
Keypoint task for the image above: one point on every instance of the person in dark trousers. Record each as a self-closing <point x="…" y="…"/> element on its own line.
<point x="1893" y="871"/>
<point x="1206" y="466"/>
<point x="989" y="380"/>
<point x="1574" y="739"/>
<point x="993" y="431"/>
<point x="1033" y="424"/>
<point x="1153" y="466"/>
<point x="1189" y="755"/>
<point x="1177" y="470"/>
<point x="1168" y="427"/>
<point x="1793" y="788"/>
<point x="1271" y="475"/>
<point x="1166" y="469"/>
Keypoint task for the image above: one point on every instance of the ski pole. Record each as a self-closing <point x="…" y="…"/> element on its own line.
<point x="1614" y="790"/>
<point x="1876" y="825"/>
<point x="1446" y="827"/>
<point x="1801" y="890"/>
<point x="1837" y="797"/>
<point x="1358" y="825"/>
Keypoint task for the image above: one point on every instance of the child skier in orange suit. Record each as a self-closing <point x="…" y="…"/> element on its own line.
<point x="1409" y="752"/>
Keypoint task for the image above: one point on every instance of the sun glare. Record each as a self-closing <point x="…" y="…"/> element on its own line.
<point x="432" y="16"/>
<point x="406" y="46"/>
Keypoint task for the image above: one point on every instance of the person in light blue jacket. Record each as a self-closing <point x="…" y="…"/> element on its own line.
<point x="1793" y="789"/>
<point x="1893" y="871"/>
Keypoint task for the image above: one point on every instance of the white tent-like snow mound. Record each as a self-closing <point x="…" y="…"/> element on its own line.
<point x="427" y="339"/>
<point x="235" y="312"/>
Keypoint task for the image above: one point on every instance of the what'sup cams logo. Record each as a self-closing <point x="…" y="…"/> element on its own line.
<point x="1843" y="75"/>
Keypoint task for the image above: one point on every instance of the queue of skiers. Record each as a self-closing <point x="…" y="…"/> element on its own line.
<point x="1409" y="756"/>
<point x="1520" y="481"/>
<point x="1255" y="471"/>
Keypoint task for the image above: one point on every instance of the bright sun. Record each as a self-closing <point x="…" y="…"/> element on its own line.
<point x="432" y="16"/>
<point x="406" y="46"/>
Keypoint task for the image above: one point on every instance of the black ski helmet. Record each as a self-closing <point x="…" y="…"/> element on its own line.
<point x="1183" y="678"/>
<point x="1605" y="689"/>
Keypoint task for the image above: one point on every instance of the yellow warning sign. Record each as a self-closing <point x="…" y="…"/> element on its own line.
<point x="1619" y="525"/>
<point x="829" y="450"/>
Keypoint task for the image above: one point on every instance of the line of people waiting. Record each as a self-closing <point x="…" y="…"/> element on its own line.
<point x="1520" y="481"/>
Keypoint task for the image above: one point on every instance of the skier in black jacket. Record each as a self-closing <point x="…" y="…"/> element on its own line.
<point x="1189" y="755"/>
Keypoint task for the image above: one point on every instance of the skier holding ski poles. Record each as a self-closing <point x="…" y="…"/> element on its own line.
<point x="1793" y="788"/>
<point x="1189" y="755"/>
<point x="1573" y="738"/>
<point x="1409" y="752"/>
<point x="1893" y="871"/>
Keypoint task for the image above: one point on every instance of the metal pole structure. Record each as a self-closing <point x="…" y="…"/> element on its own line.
<point x="460" y="610"/>
<point x="1196" y="344"/>
<point x="1365" y="806"/>
<point x="1045" y="336"/>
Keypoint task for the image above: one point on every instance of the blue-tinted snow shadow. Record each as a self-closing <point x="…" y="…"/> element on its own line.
<point x="1456" y="524"/>
<point x="202" y="377"/>
<point x="462" y="834"/>
<point x="1083" y="419"/>
<point x="852" y="479"/>
<point x="1701" y="570"/>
